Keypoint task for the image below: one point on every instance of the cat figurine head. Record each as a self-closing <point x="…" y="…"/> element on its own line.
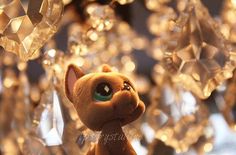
<point x="102" y="97"/>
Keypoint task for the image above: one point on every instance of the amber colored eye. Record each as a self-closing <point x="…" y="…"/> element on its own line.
<point x="103" y="92"/>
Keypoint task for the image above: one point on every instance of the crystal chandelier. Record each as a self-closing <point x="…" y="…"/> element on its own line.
<point x="188" y="89"/>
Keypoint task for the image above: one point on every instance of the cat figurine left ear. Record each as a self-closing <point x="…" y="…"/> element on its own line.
<point x="72" y="75"/>
<point x="105" y="101"/>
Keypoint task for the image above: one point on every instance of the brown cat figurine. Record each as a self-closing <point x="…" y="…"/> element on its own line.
<point x="105" y="101"/>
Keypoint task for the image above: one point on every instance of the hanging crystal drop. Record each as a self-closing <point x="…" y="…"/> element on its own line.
<point x="50" y="122"/>
<point x="26" y="25"/>
<point x="176" y="115"/>
<point x="197" y="53"/>
<point x="57" y="121"/>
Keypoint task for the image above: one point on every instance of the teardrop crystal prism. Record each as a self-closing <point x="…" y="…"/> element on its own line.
<point x="50" y="118"/>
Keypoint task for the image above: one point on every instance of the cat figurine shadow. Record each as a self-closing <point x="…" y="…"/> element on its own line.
<point x="105" y="101"/>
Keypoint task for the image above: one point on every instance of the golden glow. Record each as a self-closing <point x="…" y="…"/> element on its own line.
<point x="66" y="2"/>
<point x="92" y="35"/>
<point x="52" y="53"/>
<point x="174" y="112"/>
<point x="35" y="94"/>
<point x="234" y="127"/>
<point x="130" y="66"/>
<point x="233" y="3"/>
<point x="8" y="82"/>
<point x="80" y="61"/>
<point x="208" y="147"/>
<point x="164" y="137"/>
<point x="20" y="140"/>
<point x="101" y="17"/>
<point x="123" y="2"/>
<point x="22" y="66"/>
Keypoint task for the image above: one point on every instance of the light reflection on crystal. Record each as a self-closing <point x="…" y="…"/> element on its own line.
<point x="200" y="62"/>
<point x="51" y="123"/>
<point x="159" y="23"/>
<point x="112" y="47"/>
<point x="176" y="115"/>
<point x="174" y="123"/>
<point x="101" y="17"/>
<point x="25" y="27"/>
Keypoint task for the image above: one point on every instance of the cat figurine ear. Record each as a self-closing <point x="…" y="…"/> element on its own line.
<point x="106" y="68"/>
<point x="72" y="75"/>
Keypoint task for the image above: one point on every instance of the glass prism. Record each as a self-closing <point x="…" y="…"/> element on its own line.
<point x="201" y="58"/>
<point x="27" y="24"/>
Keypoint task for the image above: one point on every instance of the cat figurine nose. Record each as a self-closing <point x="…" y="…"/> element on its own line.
<point x="126" y="86"/>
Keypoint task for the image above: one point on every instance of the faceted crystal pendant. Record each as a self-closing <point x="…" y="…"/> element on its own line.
<point x="49" y="117"/>
<point x="25" y="25"/>
<point x="176" y="115"/>
<point x="200" y="59"/>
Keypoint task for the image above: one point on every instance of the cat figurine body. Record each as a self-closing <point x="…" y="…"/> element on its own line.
<point x="105" y="101"/>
